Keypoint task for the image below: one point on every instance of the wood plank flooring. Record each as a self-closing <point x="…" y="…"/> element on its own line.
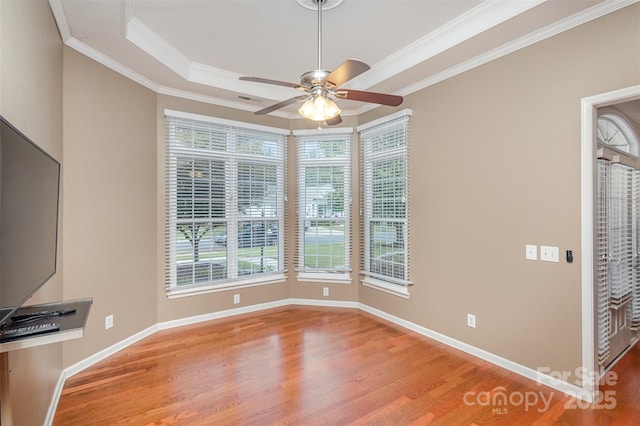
<point x="319" y="366"/>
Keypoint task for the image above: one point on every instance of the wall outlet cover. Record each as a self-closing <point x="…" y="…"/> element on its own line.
<point x="471" y="320"/>
<point x="549" y="254"/>
<point x="531" y="252"/>
<point x="108" y="322"/>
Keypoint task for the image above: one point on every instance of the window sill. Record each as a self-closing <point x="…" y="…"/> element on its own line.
<point x="394" y="289"/>
<point x="324" y="277"/>
<point x="177" y="292"/>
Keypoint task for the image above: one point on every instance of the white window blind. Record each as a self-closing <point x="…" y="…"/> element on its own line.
<point x="225" y="185"/>
<point x="635" y="301"/>
<point x="602" y="261"/>
<point x="384" y="199"/>
<point x="621" y="238"/>
<point x="617" y="244"/>
<point x="324" y="201"/>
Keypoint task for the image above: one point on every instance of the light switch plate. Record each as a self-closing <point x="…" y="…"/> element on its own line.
<point x="549" y="254"/>
<point x="531" y="252"/>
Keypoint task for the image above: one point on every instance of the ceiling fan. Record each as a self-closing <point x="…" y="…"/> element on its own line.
<point x="321" y="86"/>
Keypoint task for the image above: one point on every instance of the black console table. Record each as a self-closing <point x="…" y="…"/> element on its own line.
<point x="71" y="327"/>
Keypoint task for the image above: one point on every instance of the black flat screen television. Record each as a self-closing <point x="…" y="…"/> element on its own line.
<point x="29" y="198"/>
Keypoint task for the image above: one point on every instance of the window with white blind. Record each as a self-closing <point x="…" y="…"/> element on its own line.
<point x="324" y="204"/>
<point x="225" y="185"/>
<point x="384" y="200"/>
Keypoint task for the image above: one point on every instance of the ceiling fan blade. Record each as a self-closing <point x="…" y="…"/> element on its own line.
<point x="345" y="72"/>
<point x="276" y="82"/>
<point x="376" y="98"/>
<point x="333" y="121"/>
<point x="279" y="105"/>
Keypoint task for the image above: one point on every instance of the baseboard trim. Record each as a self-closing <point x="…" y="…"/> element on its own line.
<point x="51" y="412"/>
<point x="255" y="308"/>
<point x="514" y="367"/>
<point x="221" y="314"/>
<point x="107" y="352"/>
<point x="88" y="362"/>
<point x="324" y="303"/>
<point x="529" y="373"/>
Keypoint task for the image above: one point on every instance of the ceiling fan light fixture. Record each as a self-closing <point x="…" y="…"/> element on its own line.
<point x="318" y="84"/>
<point x="319" y="108"/>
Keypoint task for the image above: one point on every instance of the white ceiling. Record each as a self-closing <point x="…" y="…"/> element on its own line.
<point x="197" y="49"/>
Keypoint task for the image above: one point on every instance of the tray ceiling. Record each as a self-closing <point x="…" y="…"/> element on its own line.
<point x="197" y="49"/>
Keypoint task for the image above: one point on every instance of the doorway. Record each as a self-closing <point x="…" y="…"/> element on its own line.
<point x="598" y="353"/>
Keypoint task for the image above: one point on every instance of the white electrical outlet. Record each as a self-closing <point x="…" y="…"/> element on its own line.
<point x="108" y="322"/>
<point x="531" y="252"/>
<point x="236" y="299"/>
<point x="325" y="291"/>
<point x="471" y="320"/>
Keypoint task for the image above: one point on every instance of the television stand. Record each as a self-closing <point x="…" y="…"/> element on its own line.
<point x="71" y="327"/>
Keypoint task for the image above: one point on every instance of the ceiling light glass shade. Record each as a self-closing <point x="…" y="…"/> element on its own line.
<point x="319" y="108"/>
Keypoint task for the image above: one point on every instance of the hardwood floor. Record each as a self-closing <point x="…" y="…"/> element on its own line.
<point x="319" y="366"/>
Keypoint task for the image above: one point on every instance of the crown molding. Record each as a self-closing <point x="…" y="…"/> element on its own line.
<point x="155" y="46"/>
<point x="198" y="97"/>
<point x="109" y="62"/>
<point x="477" y="20"/>
<point x="561" y="26"/>
<point x="520" y="43"/>
<point x="61" y="19"/>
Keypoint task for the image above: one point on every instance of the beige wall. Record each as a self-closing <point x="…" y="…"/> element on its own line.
<point x="109" y="201"/>
<point x="495" y="165"/>
<point x="31" y="99"/>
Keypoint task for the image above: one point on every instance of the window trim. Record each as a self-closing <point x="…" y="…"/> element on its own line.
<point x="172" y="290"/>
<point x="325" y="277"/>
<point x="197" y="289"/>
<point x="386" y="286"/>
<point x="618" y="121"/>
